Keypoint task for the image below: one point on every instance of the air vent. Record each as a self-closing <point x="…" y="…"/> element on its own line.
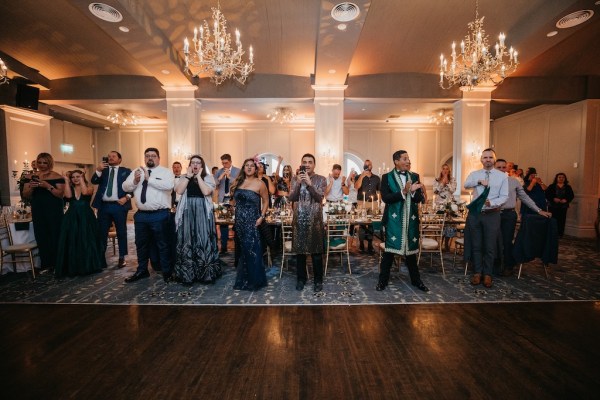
<point x="345" y="12"/>
<point x="574" y="19"/>
<point x="105" y="12"/>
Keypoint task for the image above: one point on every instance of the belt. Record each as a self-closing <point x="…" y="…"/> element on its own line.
<point x="507" y="209"/>
<point x="152" y="211"/>
<point x="490" y="210"/>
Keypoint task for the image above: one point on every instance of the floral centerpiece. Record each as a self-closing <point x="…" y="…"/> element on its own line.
<point x="223" y="210"/>
<point x="337" y="208"/>
<point x="451" y="207"/>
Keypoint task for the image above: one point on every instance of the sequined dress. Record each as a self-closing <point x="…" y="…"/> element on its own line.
<point x="197" y="258"/>
<point x="250" y="269"/>
<point x="307" y="226"/>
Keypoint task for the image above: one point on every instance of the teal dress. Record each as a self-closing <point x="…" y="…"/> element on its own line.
<point x="47" y="216"/>
<point x="80" y="250"/>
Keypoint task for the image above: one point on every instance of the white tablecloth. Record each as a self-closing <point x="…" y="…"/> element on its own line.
<point x="20" y="237"/>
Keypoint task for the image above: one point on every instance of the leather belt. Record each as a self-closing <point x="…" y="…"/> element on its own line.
<point x="490" y="210"/>
<point x="152" y="211"/>
<point x="507" y="209"/>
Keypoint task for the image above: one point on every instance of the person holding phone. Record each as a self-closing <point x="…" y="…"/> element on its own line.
<point x="112" y="202"/>
<point x="535" y="188"/>
<point x="307" y="192"/>
<point x="367" y="184"/>
<point x="45" y="190"/>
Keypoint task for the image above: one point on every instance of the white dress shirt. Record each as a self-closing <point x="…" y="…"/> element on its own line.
<point x="115" y="191"/>
<point x="336" y="193"/>
<point x="158" y="193"/>
<point x="497" y="181"/>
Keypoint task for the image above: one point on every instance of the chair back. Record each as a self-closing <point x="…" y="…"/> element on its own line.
<point x="337" y="233"/>
<point x="4" y="231"/>
<point x="432" y="228"/>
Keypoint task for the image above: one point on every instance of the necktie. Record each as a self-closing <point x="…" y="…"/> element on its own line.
<point x="144" y="188"/>
<point x="226" y="185"/>
<point x="111" y="178"/>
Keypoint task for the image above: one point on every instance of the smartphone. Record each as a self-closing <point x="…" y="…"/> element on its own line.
<point x="366" y="167"/>
<point x="105" y="160"/>
<point x="303" y="168"/>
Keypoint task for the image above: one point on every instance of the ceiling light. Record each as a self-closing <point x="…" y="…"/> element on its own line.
<point x="213" y="54"/>
<point x="124" y="29"/>
<point x="3" y="73"/>
<point x="574" y="19"/>
<point x="123" y="118"/>
<point x="331" y="71"/>
<point x="552" y="33"/>
<point x="440" y="117"/>
<point x="345" y="12"/>
<point x="282" y="115"/>
<point x="475" y="64"/>
<point x="165" y="71"/>
<point x="342" y="27"/>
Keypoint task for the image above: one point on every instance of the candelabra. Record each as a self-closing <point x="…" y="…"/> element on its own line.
<point x="3" y="73"/>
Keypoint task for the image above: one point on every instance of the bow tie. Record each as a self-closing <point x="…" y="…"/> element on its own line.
<point x="402" y="173"/>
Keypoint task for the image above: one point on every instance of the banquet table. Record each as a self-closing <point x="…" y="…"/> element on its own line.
<point x="21" y="231"/>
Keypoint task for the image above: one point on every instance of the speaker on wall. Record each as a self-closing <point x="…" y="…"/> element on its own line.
<point x="27" y="96"/>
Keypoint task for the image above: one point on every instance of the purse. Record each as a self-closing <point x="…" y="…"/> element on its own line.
<point x="266" y="234"/>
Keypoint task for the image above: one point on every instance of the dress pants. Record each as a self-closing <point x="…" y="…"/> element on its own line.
<point x="560" y="214"/>
<point x="224" y="236"/>
<point x="152" y="230"/>
<point x="317" y="263"/>
<point x="365" y="232"/>
<point x="483" y="230"/>
<point x="386" y="264"/>
<point x="508" y="222"/>
<point x="107" y="214"/>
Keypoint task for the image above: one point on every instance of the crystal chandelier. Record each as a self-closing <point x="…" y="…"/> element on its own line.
<point x="283" y="115"/>
<point x="213" y="54"/>
<point x="441" y="118"/>
<point x="476" y="65"/>
<point x="123" y="118"/>
<point x="3" y="73"/>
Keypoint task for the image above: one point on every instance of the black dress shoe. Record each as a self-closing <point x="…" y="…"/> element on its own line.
<point x="300" y="285"/>
<point x="420" y="285"/>
<point x="318" y="287"/>
<point x="137" y="276"/>
<point x="380" y="286"/>
<point x="122" y="263"/>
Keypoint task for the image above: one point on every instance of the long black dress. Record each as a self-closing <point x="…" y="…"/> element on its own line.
<point x="251" y="273"/>
<point x="47" y="216"/>
<point x="197" y="258"/>
<point x="80" y="250"/>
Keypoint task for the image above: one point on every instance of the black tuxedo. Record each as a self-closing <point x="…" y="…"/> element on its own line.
<point x="109" y="212"/>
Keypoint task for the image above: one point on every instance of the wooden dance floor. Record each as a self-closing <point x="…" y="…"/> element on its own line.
<point x="438" y="351"/>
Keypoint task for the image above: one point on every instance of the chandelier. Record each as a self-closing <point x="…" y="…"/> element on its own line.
<point x="123" y="118"/>
<point x="441" y="118"/>
<point x="3" y="73"/>
<point x="476" y="64"/>
<point x="213" y="54"/>
<point x="283" y="115"/>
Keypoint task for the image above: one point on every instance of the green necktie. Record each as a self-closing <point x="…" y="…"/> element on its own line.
<point x="111" y="178"/>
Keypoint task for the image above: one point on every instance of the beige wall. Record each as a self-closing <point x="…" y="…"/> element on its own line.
<point x="558" y="139"/>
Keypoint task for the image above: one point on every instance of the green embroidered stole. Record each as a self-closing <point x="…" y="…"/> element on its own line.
<point x="401" y="236"/>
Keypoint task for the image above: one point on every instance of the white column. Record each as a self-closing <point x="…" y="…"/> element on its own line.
<point x="183" y="117"/>
<point x="329" y="127"/>
<point x="471" y="133"/>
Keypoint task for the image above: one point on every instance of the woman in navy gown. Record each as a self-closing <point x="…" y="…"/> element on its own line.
<point x="44" y="189"/>
<point x="251" y="199"/>
<point x="197" y="258"/>
<point x="80" y="249"/>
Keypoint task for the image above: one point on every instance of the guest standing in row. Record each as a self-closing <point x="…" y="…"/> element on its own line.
<point x="152" y="186"/>
<point x="197" y="255"/>
<point x="80" y="247"/>
<point x="401" y="191"/>
<point x="112" y="202"/>
<point x="224" y="178"/>
<point x="536" y="189"/>
<point x="251" y="199"/>
<point x="559" y="195"/>
<point x="45" y="190"/>
<point x="307" y="193"/>
<point x="444" y="187"/>
<point x="368" y="185"/>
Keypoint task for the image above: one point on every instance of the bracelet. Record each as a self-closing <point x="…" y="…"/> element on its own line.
<point x="263" y="216"/>
<point x="51" y="188"/>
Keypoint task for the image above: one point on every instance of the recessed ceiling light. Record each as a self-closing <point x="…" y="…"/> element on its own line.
<point x="165" y="71"/>
<point x="331" y="71"/>
<point x="363" y="109"/>
<point x="507" y="111"/>
<point x="244" y="110"/>
<point x="124" y="29"/>
<point x="105" y="12"/>
<point x="404" y="110"/>
<point x="552" y="33"/>
<point x="342" y="27"/>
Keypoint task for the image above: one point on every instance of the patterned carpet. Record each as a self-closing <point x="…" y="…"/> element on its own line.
<point x="575" y="277"/>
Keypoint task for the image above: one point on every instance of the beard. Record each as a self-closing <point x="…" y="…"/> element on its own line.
<point x="150" y="164"/>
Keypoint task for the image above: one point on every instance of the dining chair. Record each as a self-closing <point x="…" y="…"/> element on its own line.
<point x="18" y="252"/>
<point x="432" y="236"/>
<point x="112" y="236"/>
<point x="287" y="237"/>
<point x="338" y="240"/>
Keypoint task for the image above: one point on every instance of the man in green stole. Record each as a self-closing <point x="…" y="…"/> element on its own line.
<point x="401" y="192"/>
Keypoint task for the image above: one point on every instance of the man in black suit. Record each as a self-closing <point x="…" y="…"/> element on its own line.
<point x="111" y="201"/>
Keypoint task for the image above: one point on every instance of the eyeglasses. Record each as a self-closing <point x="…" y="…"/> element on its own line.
<point x="150" y="156"/>
<point x="196" y="162"/>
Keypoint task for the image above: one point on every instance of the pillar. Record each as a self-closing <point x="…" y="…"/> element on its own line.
<point x="329" y="127"/>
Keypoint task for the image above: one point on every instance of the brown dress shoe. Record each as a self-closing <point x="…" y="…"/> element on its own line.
<point x="476" y="279"/>
<point x="487" y="281"/>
